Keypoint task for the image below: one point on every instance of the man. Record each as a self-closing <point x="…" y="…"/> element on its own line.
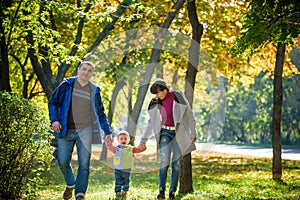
<point x="173" y="123"/>
<point x="76" y="110"/>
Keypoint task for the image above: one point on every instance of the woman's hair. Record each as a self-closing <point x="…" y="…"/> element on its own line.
<point x="159" y="85"/>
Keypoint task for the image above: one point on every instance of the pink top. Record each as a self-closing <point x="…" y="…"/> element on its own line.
<point x="167" y="110"/>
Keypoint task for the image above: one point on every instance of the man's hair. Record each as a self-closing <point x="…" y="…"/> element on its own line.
<point x="159" y="85"/>
<point x="122" y="132"/>
<point x="87" y="63"/>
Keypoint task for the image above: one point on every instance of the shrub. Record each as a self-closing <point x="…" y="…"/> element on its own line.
<point x="25" y="149"/>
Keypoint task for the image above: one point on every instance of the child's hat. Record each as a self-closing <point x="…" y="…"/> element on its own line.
<point x="122" y="132"/>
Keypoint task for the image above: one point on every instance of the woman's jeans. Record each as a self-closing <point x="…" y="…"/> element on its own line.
<point x="168" y="144"/>
<point x="83" y="140"/>
<point x="122" y="180"/>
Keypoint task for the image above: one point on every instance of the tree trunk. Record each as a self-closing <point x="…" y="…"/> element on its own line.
<point x="186" y="180"/>
<point x="4" y="63"/>
<point x="132" y="122"/>
<point x="42" y="77"/>
<point x="4" y="68"/>
<point x="277" y="109"/>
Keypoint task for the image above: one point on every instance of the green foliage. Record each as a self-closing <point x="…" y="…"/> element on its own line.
<point x="290" y="110"/>
<point x="248" y="113"/>
<point x="268" y="22"/>
<point x="25" y="149"/>
<point x="254" y="111"/>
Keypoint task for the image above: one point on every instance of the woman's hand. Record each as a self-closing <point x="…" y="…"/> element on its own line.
<point x="142" y="146"/>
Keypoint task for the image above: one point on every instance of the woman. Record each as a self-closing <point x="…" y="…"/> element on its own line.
<point x="173" y="123"/>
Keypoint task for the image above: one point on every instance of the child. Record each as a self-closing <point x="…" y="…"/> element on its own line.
<point x="123" y="162"/>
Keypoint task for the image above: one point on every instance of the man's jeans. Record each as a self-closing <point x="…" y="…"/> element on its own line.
<point x="122" y="180"/>
<point x="83" y="140"/>
<point x="168" y="144"/>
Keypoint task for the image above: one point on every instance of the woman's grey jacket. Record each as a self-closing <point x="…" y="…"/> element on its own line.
<point x="185" y="124"/>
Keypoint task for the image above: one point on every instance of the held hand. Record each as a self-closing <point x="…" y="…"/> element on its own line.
<point x="108" y="143"/>
<point x="56" y="126"/>
<point x="156" y="101"/>
<point x="142" y="146"/>
<point x="108" y="139"/>
<point x="110" y="146"/>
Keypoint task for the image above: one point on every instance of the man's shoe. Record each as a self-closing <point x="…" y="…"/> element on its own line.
<point x="68" y="193"/>
<point x="161" y="194"/>
<point x="79" y="197"/>
<point x="172" y="196"/>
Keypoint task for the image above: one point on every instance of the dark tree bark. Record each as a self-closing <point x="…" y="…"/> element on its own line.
<point x="4" y="66"/>
<point x="42" y="77"/>
<point x="277" y="110"/>
<point x="186" y="180"/>
<point x="26" y="93"/>
<point x="4" y="63"/>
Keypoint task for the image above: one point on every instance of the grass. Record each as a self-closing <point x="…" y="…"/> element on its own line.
<point x="215" y="176"/>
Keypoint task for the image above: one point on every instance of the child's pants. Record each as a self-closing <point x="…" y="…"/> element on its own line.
<point x="122" y="180"/>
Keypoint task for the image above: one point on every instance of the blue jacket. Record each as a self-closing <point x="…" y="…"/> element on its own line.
<point x="59" y="104"/>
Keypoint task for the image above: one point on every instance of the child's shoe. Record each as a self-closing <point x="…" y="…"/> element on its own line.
<point x="124" y="195"/>
<point x="118" y="195"/>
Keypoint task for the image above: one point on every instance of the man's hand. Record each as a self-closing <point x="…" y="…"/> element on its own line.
<point x="109" y="145"/>
<point x="108" y="139"/>
<point x="56" y="126"/>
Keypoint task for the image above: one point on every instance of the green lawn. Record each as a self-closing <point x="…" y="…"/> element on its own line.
<point x="215" y="176"/>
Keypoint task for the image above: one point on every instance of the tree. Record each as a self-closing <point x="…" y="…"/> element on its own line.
<point x="35" y="38"/>
<point x="186" y="181"/>
<point x="63" y="67"/>
<point x="275" y="22"/>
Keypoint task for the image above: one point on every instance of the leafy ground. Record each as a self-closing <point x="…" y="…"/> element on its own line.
<point x="215" y="176"/>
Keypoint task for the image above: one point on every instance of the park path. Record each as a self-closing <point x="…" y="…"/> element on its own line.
<point x="288" y="154"/>
<point x="206" y="148"/>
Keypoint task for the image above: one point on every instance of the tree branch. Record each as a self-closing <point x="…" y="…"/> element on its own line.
<point x="64" y="67"/>
<point x="108" y="27"/>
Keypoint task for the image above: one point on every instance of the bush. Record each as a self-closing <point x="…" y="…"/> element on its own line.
<point x="25" y="149"/>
